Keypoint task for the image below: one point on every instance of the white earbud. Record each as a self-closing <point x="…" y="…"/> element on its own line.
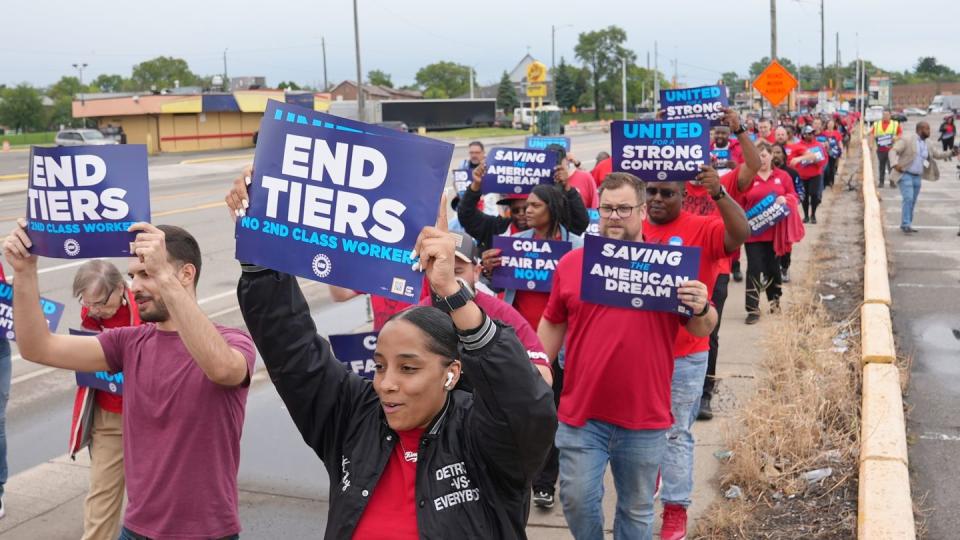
<point x="449" y="380"/>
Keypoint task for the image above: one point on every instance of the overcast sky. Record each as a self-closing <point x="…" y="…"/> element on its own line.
<point x="40" y="40"/>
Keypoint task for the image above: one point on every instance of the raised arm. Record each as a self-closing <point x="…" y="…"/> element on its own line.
<point x="477" y="224"/>
<point x="36" y="343"/>
<point x="751" y="157"/>
<point x="735" y="225"/>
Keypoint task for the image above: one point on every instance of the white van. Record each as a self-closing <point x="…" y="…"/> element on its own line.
<point x="523" y="116"/>
<point x="942" y="104"/>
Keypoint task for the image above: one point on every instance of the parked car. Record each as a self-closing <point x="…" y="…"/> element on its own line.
<point x="899" y="117"/>
<point x="81" y="137"/>
<point x="913" y="111"/>
<point x="394" y="124"/>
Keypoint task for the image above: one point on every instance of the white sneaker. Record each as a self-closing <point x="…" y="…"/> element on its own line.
<point x="3" y="508"/>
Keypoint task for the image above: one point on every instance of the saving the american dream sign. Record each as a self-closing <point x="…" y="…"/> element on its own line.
<point x="341" y="202"/>
<point x="82" y="199"/>
<point x="637" y="275"/>
<point x="517" y="170"/>
<point x="666" y="151"/>
<point x="527" y="264"/>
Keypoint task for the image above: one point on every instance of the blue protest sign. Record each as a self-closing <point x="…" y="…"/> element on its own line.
<point x="637" y="275"/>
<point x="100" y="380"/>
<point x="52" y="312"/>
<point x="766" y="214"/>
<point x="82" y="199"/>
<point x="669" y="151"/>
<point x="527" y="263"/>
<point x="719" y="155"/>
<point x="518" y="170"/>
<point x="461" y="180"/>
<point x="541" y="142"/>
<point x="705" y="102"/>
<point x="341" y="202"/>
<point x="594" y="226"/>
<point x="355" y="352"/>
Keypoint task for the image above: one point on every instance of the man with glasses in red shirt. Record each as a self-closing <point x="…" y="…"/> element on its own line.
<point x="615" y="407"/>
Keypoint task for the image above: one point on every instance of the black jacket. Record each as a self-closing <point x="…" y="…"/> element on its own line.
<point x="477" y="458"/>
<point x="483" y="227"/>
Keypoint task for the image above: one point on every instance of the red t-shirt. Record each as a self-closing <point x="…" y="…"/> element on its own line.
<point x="125" y="316"/>
<point x="383" y="309"/>
<point x="601" y="170"/>
<point x="619" y="362"/>
<point x="698" y="202"/>
<point x="813" y="168"/>
<point x="181" y="434"/>
<point x="499" y="310"/>
<point x="392" y="510"/>
<point x="705" y="232"/>
<point x="586" y="187"/>
<point x="530" y="305"/>
<point x="778" y="183"/>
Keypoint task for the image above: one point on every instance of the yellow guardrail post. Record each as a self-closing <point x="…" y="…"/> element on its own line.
<point x="885" y="509"/>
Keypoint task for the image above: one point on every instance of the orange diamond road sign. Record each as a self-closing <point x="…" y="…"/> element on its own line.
<point x="775" y="83"/>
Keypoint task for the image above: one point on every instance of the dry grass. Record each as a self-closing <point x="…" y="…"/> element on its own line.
<point x="804" y="416"/>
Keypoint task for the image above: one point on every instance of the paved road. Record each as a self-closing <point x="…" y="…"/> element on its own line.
<point x="190" y="195"/>
<point x="925" y="283"/>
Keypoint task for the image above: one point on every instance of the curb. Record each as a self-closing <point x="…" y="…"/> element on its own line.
<point x="884" y="504"/>
<point x="17" y="176"/>
<point x="214" y="159"/>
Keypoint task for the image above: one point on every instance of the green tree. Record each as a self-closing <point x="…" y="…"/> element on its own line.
<point x="564" y="80"/>
<point x="379" y="78"/>
<point x="808" y="77"/>
<point x="162" y="72"/>
<point x="442" y="80"/>
<point x="63" y="93"/>
<point x="732" y="81"/>
<point x="602" y="50"/>
<point x="928" y="67"/>
<point x="507" y="95"/>
<point x="21" y="108"/>
<point x="108" y="83"/>
<point x="284" y="85"/>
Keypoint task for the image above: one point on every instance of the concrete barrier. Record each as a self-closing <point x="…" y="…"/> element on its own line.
<point x="885" y="509"/>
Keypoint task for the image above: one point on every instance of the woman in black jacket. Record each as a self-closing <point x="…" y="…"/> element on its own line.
<point x="408" y="456"/>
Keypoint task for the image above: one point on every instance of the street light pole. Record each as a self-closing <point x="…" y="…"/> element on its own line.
<point x="323" y="47"/>
<point x="623" y="85"/>
<point x="356" y="38"/>
<point x="226" y="81"/>
<point x="79" y="67"/>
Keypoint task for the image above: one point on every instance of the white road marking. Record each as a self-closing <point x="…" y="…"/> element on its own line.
<point x="928" y="286"/>
<point x="940" y="437"/>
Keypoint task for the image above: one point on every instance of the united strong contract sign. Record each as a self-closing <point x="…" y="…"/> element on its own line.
<point x="341" y="202"/>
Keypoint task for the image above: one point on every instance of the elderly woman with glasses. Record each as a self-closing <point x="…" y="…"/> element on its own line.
<point x="105" y="302"/>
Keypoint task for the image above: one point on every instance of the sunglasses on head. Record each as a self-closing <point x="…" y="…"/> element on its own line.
<point x="665" y="193"/>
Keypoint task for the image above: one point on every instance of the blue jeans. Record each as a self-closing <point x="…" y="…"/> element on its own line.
<point x="685" y="392"/>
<point x="127" y="534"/>
<point x="910" y="191"/>
<point x="634" y="456"/>
<point x="5" y="369"/>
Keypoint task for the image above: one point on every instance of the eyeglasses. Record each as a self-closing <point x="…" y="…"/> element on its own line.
<point x="665" y="193"/>
<point x="96" y="305"/>
<point x="622" y="211"/>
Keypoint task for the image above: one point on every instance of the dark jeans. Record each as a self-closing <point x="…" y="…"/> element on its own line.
<point x="546" y="479"/>
<point x="763" y="272"/>
<point x="947" y="144"/>
<point x="127" y="534"/>
<point x="883" y="163"/>
<point x="830" y="173"/>
<point x="811" y="197"/>
<point x="719" y="297"/>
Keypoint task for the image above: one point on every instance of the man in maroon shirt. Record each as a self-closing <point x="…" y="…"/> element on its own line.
<point x="185" y="385"/>
<point x="615" y="407"/>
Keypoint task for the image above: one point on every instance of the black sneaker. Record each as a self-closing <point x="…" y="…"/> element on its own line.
<point x="753" y="318"/>
<point x="813" y="220"/>
<point x="806" y="219"/>
<point x="775" y="306"/>
<point x="737" y="274"/>
<point x="542" y="498"/>
<point x="785" y="275"/>
<point x="705" y="412"/>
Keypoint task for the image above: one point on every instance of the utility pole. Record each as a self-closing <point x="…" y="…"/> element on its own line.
<point x="226" y="81"/>
<point x="773" y="29"/>
<point x="656" y="78"/>
<point x="356" y="39"/>
<point x="823" y="48"/>
<point x="79" y="67"/>
<point x="623" y="62"/>
<point x="838" y="84"/>
<point x="323" y="47"/>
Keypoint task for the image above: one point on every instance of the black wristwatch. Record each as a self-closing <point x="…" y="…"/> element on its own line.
<point x="722" y="194"/>
<point x="739" y="130"/>
<point x="449" y="304"/>
<point x="706" y="309"/>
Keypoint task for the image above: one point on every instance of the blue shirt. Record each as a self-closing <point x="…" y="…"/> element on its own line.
<point x="916" y="167"/>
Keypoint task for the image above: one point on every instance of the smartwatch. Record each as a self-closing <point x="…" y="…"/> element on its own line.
<point x="722" y="194"/>
<point x="739" y="130"/>
<point x="455" y="301"/>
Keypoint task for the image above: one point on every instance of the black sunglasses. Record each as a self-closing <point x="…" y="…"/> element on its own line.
<point x="665" y="193"/>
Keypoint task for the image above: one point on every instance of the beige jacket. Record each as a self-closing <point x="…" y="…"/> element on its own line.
<point x="905" y="150"/>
